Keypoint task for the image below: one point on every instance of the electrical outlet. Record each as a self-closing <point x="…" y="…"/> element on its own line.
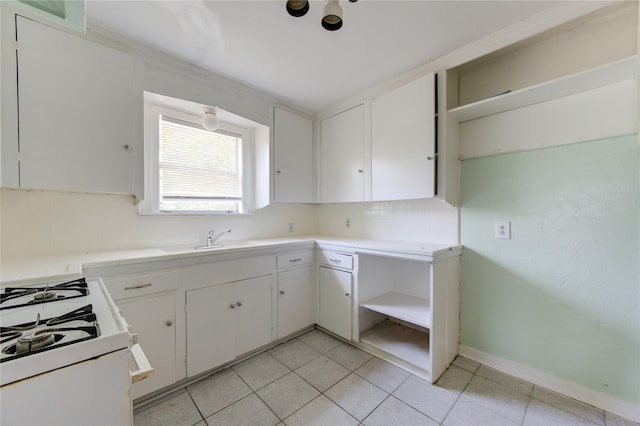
<point x="347" y="223"/>
<point x="290" y="226"/>
<point x="503" y="230"/>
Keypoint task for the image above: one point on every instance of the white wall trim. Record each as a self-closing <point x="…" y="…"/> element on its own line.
<point x="609" y="403"/>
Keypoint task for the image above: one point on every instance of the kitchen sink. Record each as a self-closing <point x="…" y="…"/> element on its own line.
<point x="214" y="246"/>
<point x="226" y="245"/>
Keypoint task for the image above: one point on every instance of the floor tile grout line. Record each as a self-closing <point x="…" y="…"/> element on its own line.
<point x="255" y="392"/>
<point x="268" y="406"/>
<point x="202" y="418"/>
<point x="394" y="389"/>
<point x="318" y="396"/>
<point x="372" y="411"/>
<point x="457" y="398"/>
<point x="526" y="410"/>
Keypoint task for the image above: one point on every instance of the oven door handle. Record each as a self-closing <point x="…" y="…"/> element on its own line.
<point x="141" y="362"/>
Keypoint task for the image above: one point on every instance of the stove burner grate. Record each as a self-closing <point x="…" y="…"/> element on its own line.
<point x="14" y="297"/>
<point x="48" y="334"/>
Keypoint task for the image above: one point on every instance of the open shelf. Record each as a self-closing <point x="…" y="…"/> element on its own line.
<point x="407" y="308"/>
<point x="401" y="342"/>
<point x="600" y="76"/>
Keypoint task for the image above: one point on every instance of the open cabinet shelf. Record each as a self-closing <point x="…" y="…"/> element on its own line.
<point x="600" y="76"/>
<point x="408" y="309"/>
<point x="403" y="344"/>
<point x="403" y="307"/>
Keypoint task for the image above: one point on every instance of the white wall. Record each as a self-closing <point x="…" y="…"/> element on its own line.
<point x="40" y="223"/>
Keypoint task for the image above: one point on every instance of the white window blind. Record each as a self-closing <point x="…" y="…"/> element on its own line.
<point x="199" y="169"/>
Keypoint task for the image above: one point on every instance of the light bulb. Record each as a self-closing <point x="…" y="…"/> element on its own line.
<point x="209" y="119"/>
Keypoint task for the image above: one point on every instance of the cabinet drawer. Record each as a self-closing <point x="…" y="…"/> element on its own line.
<point x="141" y="285"/>
<point x="344" y="261"/>
<point x="294" y="259"/>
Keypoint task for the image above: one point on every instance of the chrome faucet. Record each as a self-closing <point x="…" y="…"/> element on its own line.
<point x="211" y="239"/>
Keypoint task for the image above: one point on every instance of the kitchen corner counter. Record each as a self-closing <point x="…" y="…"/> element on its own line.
<point x="31" y="270"/>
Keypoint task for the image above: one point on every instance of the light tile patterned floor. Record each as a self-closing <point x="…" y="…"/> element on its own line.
<point x="316" y="379"/>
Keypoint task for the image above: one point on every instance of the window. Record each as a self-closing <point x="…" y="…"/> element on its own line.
<point x="199" y="170"/>
<point x="190" y="170"/>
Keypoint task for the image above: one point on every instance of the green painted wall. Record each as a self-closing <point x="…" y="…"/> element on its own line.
<point x="563" y="295"/>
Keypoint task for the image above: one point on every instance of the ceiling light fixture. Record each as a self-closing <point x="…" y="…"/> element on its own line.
<point x="331" y="13"/>
<point x="210" y="119"/>
<point x="297" y="8"/>
<point x="332" y="16"/>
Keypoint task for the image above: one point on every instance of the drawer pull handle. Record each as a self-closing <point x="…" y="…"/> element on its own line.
<point x="335" y="260"/>
<point x="135" y="287"/>
<point x="295" y="260"/>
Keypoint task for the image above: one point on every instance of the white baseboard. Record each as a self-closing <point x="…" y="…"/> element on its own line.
<point x="627" y="409"/>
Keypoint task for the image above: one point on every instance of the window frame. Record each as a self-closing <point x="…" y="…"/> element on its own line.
<point x="151" y="203"/>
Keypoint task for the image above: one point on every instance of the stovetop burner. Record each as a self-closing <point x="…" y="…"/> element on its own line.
<point x="13" y="297"/>
<point x="37" y="336"/>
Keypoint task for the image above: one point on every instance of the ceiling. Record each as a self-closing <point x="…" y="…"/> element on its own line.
<point x="258" y="44"/>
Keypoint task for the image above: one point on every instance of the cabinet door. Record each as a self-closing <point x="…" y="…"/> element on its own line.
<point x="76" y="112"/>
<point x="294" y="300"/>
<point x="293" y="158"/>
<point x="403" y="142"/>
<point x="335" y="301"/>
<point x="253" y="313"/>
<point x="153" y="319"/>
<point x="210" y="327"/>
<point x="342" y="157"/>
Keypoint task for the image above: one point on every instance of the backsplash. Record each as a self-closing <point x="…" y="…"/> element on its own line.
<point x="413" y="220"/>
<point x="41" y="223"/>
<point x="36" y="222"/>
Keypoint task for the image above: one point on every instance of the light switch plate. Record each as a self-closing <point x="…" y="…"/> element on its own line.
<point x="503" y="230"/>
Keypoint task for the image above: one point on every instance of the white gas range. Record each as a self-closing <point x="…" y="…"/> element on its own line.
<point x="65" y="355"/>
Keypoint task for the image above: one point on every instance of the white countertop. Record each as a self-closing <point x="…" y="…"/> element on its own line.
<point x="29" y="270"/>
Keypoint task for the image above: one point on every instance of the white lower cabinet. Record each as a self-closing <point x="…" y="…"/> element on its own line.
<point x="227" y="320"/>
<point x="294" y="300"/>
<point x="148" y="303"/>
<point x="335" y="300"/>
<point x="153" y="319"/>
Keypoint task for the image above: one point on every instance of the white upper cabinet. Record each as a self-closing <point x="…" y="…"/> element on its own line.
<point x="76" y="108"/>
<point x="403" y="142"/>
<point x="293" y="158"/>
<point x="342" y="156"/>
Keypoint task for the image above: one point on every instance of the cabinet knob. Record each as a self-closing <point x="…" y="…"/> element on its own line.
<point x="429" y="157"/>
<point x="126" y="147"/>
<point x="346" y="294"/>
<point x="278" y="171"/>
<point x="232" y="306"/>
<point x="281" y="291"/>
<point x="239" y="304"/>
<point x="169" y="323"/>
<point x="360" y="170"/>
